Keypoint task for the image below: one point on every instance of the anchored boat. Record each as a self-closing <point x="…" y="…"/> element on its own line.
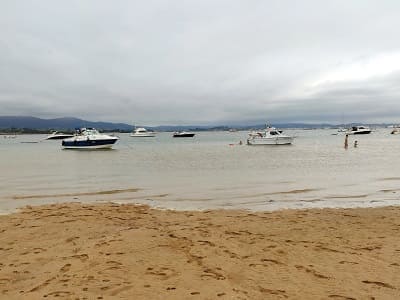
<point x="178" y="134"/>
<point x="89" y="138"/>
<point x="142" y="132"/>
<point x="270" y="136"/>
<point x="359" y="130"/>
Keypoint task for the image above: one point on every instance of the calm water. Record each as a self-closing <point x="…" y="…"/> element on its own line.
<point x="206" y="172"/>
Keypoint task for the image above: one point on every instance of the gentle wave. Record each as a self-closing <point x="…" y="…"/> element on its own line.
<point x="109" y="192"/>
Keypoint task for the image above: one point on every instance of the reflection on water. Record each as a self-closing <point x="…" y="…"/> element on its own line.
<point x="210" y="170"/>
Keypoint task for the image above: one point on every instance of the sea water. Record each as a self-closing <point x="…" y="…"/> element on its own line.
<point x="210" y="171"/>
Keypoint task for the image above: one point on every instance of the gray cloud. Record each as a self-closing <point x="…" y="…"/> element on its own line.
<point x="186" y="62"/>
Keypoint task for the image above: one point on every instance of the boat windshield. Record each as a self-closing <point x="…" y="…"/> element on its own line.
<point x="89" y="131"/>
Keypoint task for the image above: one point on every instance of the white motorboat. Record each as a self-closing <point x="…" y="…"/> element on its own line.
<point x="270" y="136"/>
<point x="58" y="136"/>
<point x="359" y="130"/>
<point x="257" y="132"/>
<point x="89" y="138"/>
<point x="142" y="132"/>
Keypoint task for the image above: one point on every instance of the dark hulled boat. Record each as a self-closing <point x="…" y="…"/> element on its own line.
<point x="89" y="138"/>
<point x="178" y="134"/>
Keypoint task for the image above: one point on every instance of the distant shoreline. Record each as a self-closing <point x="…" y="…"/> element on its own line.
<point x="29" y="124"/>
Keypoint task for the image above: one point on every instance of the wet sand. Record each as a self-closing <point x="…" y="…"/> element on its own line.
<point x="111" y="251"/>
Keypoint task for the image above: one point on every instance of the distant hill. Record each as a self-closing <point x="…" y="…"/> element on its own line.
<point x="69" y="124"/>
<point x="57" y="124"/>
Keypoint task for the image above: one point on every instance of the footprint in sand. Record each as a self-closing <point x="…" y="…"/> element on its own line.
<point x="213" y="274"/>
<point x="378" y="283"/>
<point x="272" y="261"/>
<point x="341" y="297"/>
<point x="120" y="290"/>
<point x="273" y="292"/>
<point x="342" y="262"/>
<point x="81" y="257"/>
<point x="65" y="268"/>
<point x="113" y="265"/>
<point x="163" y="273"/>
<point x="72" y="239"/>
<point x="231" y="254"/>
<point x="4" y="280"/>
<point x="38" y="250"/>
<point x="103" y="243"/>
<point x="58" y="294"/>
<point x="205" y="242"/>
<point x="311" y="271"/>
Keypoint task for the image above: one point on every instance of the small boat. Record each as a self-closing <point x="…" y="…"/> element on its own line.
<point x="142" y="132"/>
<point x="256" y="133"/>
<point x="359" y="130"/>
<point x="89" y="138"/>
<point x="58" y="136"/>
<point x="8" y="136"/>
<point x="396" y="130"/>
<point x="178" y="134"/>
<point x="270" y="136"/>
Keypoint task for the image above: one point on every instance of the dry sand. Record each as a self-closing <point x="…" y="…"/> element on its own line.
<point x="110" y="251"/>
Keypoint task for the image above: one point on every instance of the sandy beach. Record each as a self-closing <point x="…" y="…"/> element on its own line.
<point x="111" y="251"/>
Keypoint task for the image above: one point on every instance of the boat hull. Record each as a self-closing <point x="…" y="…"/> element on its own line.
<point x="88" y="144"/>
<point x="360" y="132"/>
<point x="183" y="135"/>
<point x="270" y="141"/>
<point x="143" y="135"/>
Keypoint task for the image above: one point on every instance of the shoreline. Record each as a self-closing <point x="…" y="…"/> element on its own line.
<point x="165" y="200"/>
<point x="127" y="251"/>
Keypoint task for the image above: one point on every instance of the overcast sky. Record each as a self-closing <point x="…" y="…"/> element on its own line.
<point x="158" y="62"/>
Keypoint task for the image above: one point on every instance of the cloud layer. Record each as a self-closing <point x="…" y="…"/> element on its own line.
<point x="201" y="62"/>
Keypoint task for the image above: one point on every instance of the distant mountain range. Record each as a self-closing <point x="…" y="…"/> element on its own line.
<point x="68" y="124"/>
<point x="57" y="124"/>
